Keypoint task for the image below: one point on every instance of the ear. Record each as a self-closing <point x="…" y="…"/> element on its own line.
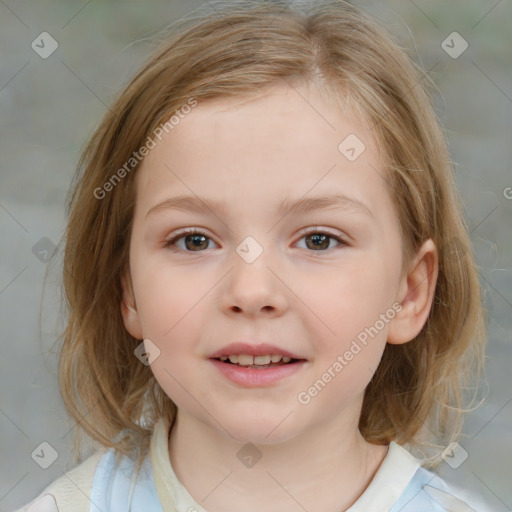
<point x="129" y="309"/>
<point x="416" y="294"/>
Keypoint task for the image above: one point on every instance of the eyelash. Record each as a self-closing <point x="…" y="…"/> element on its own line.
<point x="171" y="243"/>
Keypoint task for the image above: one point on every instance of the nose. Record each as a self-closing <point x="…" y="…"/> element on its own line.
<point x="255" y="288"/>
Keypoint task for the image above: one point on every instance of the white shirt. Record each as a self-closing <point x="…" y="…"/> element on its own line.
<point x="96" y="485"/>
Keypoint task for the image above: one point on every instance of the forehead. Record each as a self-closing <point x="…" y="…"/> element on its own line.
<point x="282" y="114"/>
<point x="285" y="142"/>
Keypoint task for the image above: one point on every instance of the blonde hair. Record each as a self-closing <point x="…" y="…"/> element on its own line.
<point x="239" y="50"/>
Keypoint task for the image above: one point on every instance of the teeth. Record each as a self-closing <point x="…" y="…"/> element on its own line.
<point x="248" y="360"/>
<point x="262" y="359"/>
<point x="244" y="359"/>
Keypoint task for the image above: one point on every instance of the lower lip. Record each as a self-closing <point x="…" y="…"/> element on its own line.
<point x="252" y="377"/>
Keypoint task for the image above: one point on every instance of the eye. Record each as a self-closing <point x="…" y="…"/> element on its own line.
<point x="194" y="241"/>
<point x="319" y="241"/>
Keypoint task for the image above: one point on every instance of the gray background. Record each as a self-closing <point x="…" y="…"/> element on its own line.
<point x="49" y="108"/>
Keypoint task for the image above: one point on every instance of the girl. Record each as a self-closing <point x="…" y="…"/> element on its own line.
<point x="271" y="290"/>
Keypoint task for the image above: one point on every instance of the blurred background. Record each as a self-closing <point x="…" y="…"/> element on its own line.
<point x="56" y="87"/>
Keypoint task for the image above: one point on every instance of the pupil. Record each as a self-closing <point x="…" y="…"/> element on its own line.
<point x="322" y="239"/>
<point x="196" y="244"/>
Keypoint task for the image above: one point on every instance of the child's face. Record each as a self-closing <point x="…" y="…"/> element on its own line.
<point x="305" y="295"/>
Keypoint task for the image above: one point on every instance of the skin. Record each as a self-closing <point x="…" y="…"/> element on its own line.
<point x="250" y="155"/>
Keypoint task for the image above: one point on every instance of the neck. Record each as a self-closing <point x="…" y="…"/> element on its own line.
<point x="326" y="468"/>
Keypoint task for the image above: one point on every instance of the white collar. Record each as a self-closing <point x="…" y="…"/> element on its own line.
<point x="390" y="481"/>
<point x="388" y="484"/>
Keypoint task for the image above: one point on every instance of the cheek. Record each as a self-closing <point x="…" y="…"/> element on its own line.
<point x="165" y="295"/>
<point x="171" y="323"/>
<point x="345" y="302"/>
<point x="344" y="381"/>
<point x="170" y="301"/>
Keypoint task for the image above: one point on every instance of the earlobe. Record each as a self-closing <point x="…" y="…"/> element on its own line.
<point x="416" y="295"/>
<point x="128" y="311"/>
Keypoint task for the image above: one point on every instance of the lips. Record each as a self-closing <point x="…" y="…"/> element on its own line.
<point x="251" y="365"/>
<point x="249" y="361"/>
<point x="263" y="349"/>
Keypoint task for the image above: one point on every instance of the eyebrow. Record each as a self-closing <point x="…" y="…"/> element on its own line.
<point x="287" y="206"/>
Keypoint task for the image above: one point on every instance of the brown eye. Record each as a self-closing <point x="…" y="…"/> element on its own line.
<point x="194" y="241"/>
<point x="319" y="241"/>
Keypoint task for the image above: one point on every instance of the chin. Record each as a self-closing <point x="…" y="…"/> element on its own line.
<point x="260" y="430"/>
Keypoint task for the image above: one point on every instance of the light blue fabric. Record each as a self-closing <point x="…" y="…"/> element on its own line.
<point x="416" y="499"/>
<point x="115" y="489"/>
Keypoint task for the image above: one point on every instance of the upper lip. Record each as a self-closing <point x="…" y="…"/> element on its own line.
<point x="260" y="349"/>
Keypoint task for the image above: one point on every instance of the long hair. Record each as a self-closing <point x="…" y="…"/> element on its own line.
<point x="239" y="50"/>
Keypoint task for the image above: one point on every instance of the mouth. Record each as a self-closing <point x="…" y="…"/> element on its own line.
<point x="256" y="365"/>
<point x="260" y="362"/>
